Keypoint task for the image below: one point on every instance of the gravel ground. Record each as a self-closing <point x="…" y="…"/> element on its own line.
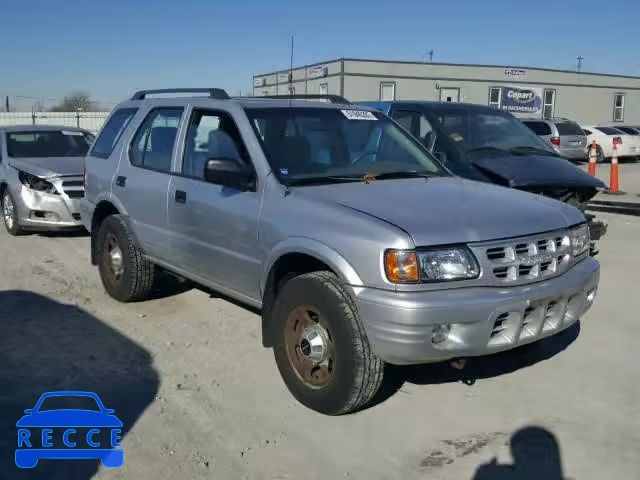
<point x="200" y="398"/>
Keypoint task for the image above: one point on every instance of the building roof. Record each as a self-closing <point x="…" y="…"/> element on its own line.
<point x="409" y="62"/>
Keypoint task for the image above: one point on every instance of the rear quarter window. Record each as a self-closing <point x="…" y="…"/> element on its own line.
<point x="539" y="128"/>
<point x="568" y="128"/>
<point x="111" y="132"/>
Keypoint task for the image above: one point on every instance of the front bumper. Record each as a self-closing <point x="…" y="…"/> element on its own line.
<point x="482" y="320"/>
<point x="39" y="210"/>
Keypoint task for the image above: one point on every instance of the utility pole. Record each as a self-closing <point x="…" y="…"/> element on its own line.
<point x="430" y="56"/>
<point x="580" y="58"/>
<point x="6" y="103"/>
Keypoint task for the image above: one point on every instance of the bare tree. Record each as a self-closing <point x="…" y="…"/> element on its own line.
<point x="76" y="101"/>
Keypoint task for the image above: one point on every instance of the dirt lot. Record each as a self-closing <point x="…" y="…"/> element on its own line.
<point x="200" y="398"/>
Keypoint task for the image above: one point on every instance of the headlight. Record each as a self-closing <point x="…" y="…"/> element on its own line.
<point x="36" y="183"/>
<point x="433" y="265"/>
<point x="580" y="240"/>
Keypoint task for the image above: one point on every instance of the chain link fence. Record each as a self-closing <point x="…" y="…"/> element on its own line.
<point x="91" y="121"/>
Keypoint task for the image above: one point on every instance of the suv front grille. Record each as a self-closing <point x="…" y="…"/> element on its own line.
<point x="527" y="260"/>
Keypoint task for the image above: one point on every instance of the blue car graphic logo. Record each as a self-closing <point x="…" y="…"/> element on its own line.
<point x="90" y="432"/>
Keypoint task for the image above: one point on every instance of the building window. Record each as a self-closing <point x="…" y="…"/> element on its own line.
<point x="387" y="91"/>
<point x="549" y="103"/>
<point x="618" y="107"/>
<point x="494" y="96"/>
<point x="324" y="89"/>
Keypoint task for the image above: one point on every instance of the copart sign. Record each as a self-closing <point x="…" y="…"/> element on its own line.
<point x="521" y="99"/>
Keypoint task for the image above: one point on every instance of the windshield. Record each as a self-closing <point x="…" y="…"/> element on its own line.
<point x="327" y="143"/>
<point x="48" y="143"/>
<point x="474" y="131"/>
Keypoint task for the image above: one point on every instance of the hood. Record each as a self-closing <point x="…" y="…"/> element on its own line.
<point x="69" y="418"/>
<point x="50" y="167"/>
<point x="526" y="171"/>
<point x="446" y="210"/>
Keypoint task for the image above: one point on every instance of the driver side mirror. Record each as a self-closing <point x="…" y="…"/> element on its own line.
<point x="229" y="173"/>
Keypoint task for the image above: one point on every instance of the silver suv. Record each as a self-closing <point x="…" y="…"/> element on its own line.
<point x="357" y="245"/>
<point x="563" y="135"/>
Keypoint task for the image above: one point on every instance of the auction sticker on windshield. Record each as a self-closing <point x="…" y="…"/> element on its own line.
<point x="358" y="115"/>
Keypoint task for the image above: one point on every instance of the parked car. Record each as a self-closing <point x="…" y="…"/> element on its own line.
<point x="563" y="135"/>
<point x="628" y="130"/>
<point x="357" y="245"/>
<point x="605" y="137"/>
<point x="490" y="145"/>
<point x="41" y="180"/>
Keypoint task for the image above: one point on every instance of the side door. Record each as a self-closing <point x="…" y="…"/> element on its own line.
<point x="142" y="180"/>
<point x="214" y="227"/>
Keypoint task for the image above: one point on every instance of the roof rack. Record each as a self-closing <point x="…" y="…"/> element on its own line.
<point x="217" y="93"/>
<point x="310" y="96"/>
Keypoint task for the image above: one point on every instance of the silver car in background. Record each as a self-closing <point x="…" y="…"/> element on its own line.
<point x="41" y="176"/>
<point x="565" y="136"/>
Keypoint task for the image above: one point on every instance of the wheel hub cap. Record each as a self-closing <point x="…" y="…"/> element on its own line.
<point x="113" y="258"/>
<point x="309" y="345"/>
<point x="313" y="344"/>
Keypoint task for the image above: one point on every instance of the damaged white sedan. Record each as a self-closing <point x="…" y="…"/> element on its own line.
<point x="41" y="176"/>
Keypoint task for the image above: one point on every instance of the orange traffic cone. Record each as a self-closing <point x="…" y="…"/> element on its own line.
<point x="593" y="155"/>
<point x="614" y="188"/>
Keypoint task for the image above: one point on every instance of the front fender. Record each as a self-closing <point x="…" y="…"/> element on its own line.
<point x="315" y="249"/>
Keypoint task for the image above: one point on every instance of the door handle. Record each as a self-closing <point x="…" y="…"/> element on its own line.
<point x="180" y="196"/>
<point x="121" y="181"/>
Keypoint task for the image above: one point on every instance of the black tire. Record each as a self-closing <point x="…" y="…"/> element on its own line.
<point x="357" y="373"/>
<point x="135" y="281"/>
<point x="11" y="224"/>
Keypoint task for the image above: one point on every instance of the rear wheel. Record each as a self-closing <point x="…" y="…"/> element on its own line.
<point x="10" y="214"/>
<point x="320" y="345"/>
<point x="125" y="273"/>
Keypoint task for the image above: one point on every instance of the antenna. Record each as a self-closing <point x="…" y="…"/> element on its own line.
<point x="580" y="58"/>
<point x="430" y="52"/>
<point x="291" y="74"/>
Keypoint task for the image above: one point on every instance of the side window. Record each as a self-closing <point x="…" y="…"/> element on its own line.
<point x="111" y="132"/>
<point x="406" y="119"/>
<point x="387" y="91"/>
<point x="494" y="96"/>
<point x="539" y="128"/>
<point x="549" y="103"/>
<point x="211" y="135"/>
<point x="152" y="145"/>
<point x="618" y="107"/>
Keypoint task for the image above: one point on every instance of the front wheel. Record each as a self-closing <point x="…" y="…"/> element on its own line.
<point x="10" y="214"/>
<point x="320" y="346"/>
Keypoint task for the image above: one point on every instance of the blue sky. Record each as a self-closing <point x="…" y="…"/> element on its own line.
<point x="113" y="47"/>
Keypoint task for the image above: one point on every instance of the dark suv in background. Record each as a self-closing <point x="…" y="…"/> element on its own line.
<point x="490" y="145"/>
<point x="565" y="136"/>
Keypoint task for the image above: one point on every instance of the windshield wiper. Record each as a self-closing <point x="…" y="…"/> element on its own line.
<point x="294" y="182"/>
<point x="484" y="149"/>
<point x="399" y="174"/>
<point x="366" y="178"/>
<point x="523" y="150"/>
